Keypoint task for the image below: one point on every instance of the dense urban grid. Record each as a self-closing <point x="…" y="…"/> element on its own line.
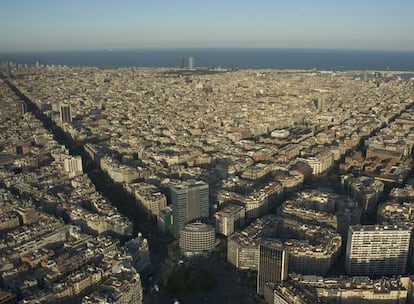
<point x="278" y="186"/>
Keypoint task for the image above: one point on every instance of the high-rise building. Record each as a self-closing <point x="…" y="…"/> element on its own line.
<point x="321" y="104"/>
<point x="191" y="63"/>
<point x="181" y="62"/>
<point x="190" y="201"/>
<point x="9" y="73"/>
<point x="22" y="107"/>
<point x="365" y="76"/>
<point x="273" y="264"/>
<point x="65" y="113"/>
<point x="377" y="250"/>
<point x="73" y="166"/>
<point x="197" y="238"/>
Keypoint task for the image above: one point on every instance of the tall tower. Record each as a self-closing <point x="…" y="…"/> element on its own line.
<point x="321" y="104"/>
<point x="181" y="63"/>
<point x="365" y="76"/>
<point x="377" y="250"/>
<point x="273" y="264"/>
<point x="22" y="106"/>
<point x="65" y="113"/>
<point x="9" y="73"/>
<point x="73" y="166"/>
<point x="191" y="63"/>
<point x="189" y="202"/>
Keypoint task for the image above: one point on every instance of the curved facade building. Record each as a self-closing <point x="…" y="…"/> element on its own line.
<point x="197" y="238"/>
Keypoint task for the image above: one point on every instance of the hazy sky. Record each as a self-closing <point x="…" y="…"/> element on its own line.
<point x="96" y="24"/>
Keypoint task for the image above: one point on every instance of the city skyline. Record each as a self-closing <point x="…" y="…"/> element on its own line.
<point x="58" y="25"/>
<point x="99" y="165"/>
<point x="206" y="151"/>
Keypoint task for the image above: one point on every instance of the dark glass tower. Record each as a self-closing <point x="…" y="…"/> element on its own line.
<point x="273" y="264"/>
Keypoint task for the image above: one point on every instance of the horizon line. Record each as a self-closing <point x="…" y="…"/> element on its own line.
<point x="160" y="48"/>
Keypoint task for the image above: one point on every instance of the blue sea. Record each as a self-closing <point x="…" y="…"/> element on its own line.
<point x="340" y="60"/>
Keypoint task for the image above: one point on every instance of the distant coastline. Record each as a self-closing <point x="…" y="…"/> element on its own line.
<point x="242" y="58"/>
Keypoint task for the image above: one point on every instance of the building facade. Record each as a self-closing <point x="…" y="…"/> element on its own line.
<point x="377" y="250"/>
<point x="150" y="198"/>
<point x="191" y="63"/>
<point x="230" y="218"/>
<point x="197" y="238"/>
<point x="273" y="264"/>
<point x="65" y="113"/>
<point x="73" y="165"/>
<point x="190" y="201"/>
<point x="165" y="220"/>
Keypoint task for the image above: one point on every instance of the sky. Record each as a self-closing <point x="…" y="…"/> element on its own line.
<point x="34" y="25"/>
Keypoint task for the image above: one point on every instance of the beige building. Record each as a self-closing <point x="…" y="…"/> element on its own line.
<point x="320" y="162"/>
<point x="230" y="218"/>
<point x="362" y="290"/>
<point x="150" y="198"/>
<point x="243" y="247"/>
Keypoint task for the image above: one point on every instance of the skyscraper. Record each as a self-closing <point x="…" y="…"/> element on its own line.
<point x="191" y="63"/>
<point x="9" y="73"/>
<point x="321" y="104"/>
<point x="22" y="108"/>
<point x="365" y="76"/>
<point x="73" y="166"/>
<point x="189" y="202"/>
<point x="65" y="113"/>
<point x="377" y="250"/>
<point x="273" y="263"/>
<point x="181" y="62"/>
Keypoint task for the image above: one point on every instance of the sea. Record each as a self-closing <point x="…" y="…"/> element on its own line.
<point x="241" y="58"/>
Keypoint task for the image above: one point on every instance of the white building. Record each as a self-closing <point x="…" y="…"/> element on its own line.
<point x="377" y="250"/>
<point x="73" y="165"/>
<point x="197" y="238"/>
